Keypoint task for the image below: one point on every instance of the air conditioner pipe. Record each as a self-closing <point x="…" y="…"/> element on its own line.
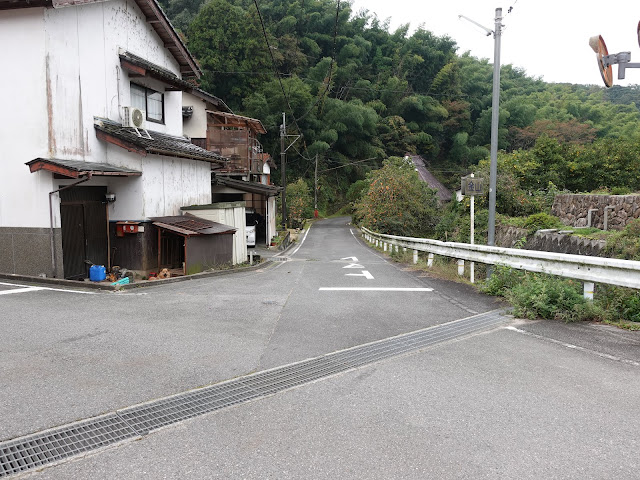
<point x="54" y="262"/>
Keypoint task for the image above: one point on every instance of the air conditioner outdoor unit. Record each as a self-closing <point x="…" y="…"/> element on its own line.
<point x="135" y="118"/>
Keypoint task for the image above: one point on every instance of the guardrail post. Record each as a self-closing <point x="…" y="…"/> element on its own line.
<point x="461" y="267"/>
<point x="430" y="260"/>
<point x="384" y="246"/>
<point x="588" y="290"/>
<point x="404" y="249"/>
<point x="415" y="257"/>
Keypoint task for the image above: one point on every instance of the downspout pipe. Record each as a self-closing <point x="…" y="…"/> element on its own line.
<point x="54" y="262"/>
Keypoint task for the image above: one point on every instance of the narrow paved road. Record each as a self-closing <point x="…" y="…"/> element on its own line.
<point x="524" y="400"/>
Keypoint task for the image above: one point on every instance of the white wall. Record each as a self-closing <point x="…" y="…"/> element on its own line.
<point x="23" y="118"/>
<point x="64" y="69"/>
<point x="196" y="126"/>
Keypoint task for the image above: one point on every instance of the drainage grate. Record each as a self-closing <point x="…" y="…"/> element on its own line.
<point x="57" y="444"/>
<point x="153" y="415"/>
<point x="40" y="449"/>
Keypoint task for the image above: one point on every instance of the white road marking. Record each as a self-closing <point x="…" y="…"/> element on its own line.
<point x="28" y="288"/>
<point x="20" y="290"/>
<point x="376" y="289"/>
<point x="354" y="265"/>
<point x="364" y="273"/>
<point x="572" y="346"/>
<point x="353" y="259"/>
<point x="303" y="239"/>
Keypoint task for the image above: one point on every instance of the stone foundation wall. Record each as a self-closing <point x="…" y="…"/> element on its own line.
<point x="548" y="241"/>
<point x="573" y="210"/>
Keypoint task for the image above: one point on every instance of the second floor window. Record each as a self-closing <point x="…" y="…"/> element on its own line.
<point x="148" y="100"/>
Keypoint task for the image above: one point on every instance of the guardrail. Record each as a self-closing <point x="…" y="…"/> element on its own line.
<point x="613" y="271"/>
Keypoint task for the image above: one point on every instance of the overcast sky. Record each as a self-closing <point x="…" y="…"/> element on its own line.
<point x="548" y="39"/>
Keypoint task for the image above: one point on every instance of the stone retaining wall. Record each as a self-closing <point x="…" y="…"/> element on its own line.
<point x="548" y="241"/>
<point x="573" y="210"/>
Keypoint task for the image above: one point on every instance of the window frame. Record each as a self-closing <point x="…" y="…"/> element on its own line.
<point x="147" y="92"/>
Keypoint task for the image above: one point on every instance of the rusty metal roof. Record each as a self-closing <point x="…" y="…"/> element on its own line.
<point x="249" y="122"/>
<point x="159" y="143"/>
<point x="77" y="168"/>
<point x="190" y="225"/>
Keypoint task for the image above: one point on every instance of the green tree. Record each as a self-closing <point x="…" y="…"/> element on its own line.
<point x="397" y="202"/>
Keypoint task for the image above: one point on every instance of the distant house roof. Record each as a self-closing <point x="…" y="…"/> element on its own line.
<point x="159" y="143"/>
<point x="190" y="225"/>
<point x="155" y="17"/>
<point x="444" y="194"/>
<point x="208" y="97"/>
<point x="245" y="186"/>
<point x="233" y="120"/>
<point x="77" y="168"/>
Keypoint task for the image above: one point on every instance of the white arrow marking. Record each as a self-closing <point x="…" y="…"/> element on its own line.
<point x="353" y="259"/>
<point x="354" y="265"/>
<point x="364" y="273"/>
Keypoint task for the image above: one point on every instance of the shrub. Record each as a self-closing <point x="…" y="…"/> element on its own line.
<point x="618" y="303"/>
<point x="545" y="296"/>
<point x="540" y="221"/>
<point x="624" y="244"/>
<point x="501" y="281"/>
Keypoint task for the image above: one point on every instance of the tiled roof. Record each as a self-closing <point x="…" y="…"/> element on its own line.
<point x="127" y="59"/>
<point x="444" y="194"/>
<point x="191" y="225"/>
<point x="159" y="143"/>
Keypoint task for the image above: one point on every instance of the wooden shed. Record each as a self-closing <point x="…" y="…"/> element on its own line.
<point x="193" y="244"/>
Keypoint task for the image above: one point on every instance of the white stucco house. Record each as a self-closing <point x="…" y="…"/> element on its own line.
<point x="78" y="184"/>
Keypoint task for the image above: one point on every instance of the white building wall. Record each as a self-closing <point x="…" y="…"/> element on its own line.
<point x="196" y="126"/>
<point x="23" y="119"/>
<point x="67" y="71"/>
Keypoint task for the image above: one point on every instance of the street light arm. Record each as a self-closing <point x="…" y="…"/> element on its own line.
<point x="489" y="32"/>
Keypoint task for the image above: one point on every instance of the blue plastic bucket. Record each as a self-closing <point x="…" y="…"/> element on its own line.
<point x="97" y="273"/>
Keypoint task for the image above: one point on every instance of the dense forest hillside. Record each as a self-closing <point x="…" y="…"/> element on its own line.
<point x="359" y="93"/>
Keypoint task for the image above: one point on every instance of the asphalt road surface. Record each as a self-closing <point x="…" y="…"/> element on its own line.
<point x="521" y="400"/>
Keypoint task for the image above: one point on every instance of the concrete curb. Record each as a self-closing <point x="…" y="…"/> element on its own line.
<point x="141" y="284"/>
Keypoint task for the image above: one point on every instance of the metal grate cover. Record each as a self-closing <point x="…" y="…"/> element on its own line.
<point x="57" y="444"/>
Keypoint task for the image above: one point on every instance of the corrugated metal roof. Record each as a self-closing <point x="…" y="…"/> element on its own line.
<point x="245" y="186"/>
<point x="78" y="168"/>
<point x="191" y="225"/>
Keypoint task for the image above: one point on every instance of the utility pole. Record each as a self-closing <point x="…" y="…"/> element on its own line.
<point x="495" y="122"/>
<point x="495" y="119"/>
<point x="283" y="161"/>
<point x="315" y="191"/>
